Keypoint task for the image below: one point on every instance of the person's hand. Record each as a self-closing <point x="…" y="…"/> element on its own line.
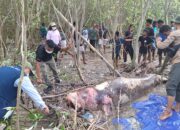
<point x="69" y="46"/>
<point x="45" y="110"/>
<point x="39" y="81"/>
<point x="158" y="39"/>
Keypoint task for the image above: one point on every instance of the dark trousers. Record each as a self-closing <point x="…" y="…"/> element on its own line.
<point x="93" y="43"/>
<point x="128" y="49"/>
<point x="55" y="53"/>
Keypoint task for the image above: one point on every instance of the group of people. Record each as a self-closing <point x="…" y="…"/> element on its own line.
<point x="54" y="40"/>
<point x="148" y="40"/>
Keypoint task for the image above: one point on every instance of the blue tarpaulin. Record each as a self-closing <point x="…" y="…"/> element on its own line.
<point x="147" y="116"/>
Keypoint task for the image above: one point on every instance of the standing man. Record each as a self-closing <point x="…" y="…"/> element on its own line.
<point x="173" y="28"/>
<point x="128" y="49"/>
<point x="93" y="36"/>
<point x="105" y="38"/>
<point x="152" y="47"/>
<point x="173" y="84"/>
<point x="54" y="35"/>
<point x="81" y="44"/>
<point x="163" y="33"/>
<point x="145" y="42"/>
<point x="43" y="31"/>
<point x="85" y="35"/>
<point x="9" y="80"/>
<point x="160" y="23"/>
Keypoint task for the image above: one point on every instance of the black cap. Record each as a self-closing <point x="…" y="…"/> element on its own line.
<point x="50" y="44"/>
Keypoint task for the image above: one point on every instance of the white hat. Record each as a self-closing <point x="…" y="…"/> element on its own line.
<point x="52" y="24"/>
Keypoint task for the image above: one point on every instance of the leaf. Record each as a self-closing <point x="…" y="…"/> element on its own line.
<point x="8" y="114"/>
<point x="30" y="128"/>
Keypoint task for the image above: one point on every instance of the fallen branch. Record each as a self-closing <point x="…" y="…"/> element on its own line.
<point x="63" y="93"/>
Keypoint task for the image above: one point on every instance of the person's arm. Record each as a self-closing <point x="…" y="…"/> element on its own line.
<point x="59" y="37"/>
<point x="67" y="48"/>
<point x="38" y="73"/>
<point x="30" y="90"/>
<point x="48" y="36"/>
<point x="166" y="43"/>
<point x="128" y="39"/>
<point x="38" y="63"/>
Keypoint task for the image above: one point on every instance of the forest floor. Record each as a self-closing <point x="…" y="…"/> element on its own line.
<point x="94" y="72"/>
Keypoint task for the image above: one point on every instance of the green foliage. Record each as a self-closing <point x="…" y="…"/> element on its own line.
<point x="35" y="116"/>
<point x="31" y="56"/>
<point x="7" y="62"/>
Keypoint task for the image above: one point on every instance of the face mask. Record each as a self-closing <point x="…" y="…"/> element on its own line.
<point x="53" y="28"/>
<point x="49" y="52"/>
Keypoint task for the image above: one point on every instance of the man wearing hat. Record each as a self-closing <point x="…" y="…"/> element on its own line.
<point x="44" y="59"/>
<point x="54" y="35"/>
<point x="173" y="84"/>
<point x="9" y="79"/>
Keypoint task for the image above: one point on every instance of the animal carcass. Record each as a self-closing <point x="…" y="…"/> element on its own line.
<point x="108" y="95"/>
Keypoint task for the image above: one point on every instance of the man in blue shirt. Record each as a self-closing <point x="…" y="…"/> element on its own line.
<point x="163" y="33"/>
<point x="9" y="79"/>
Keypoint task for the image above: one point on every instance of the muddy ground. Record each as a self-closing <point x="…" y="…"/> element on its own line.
<point x="94" y="72"/>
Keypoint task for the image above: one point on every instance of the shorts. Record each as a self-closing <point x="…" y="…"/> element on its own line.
<point x="81" y="49"/>
<point x="100" y="41"/>
<point x="143" y="50"/>
<point x="105" y="41"/>
<point x="85" y="42"/>
<point x="173" y="84"/>
<point x="63" y="44"/>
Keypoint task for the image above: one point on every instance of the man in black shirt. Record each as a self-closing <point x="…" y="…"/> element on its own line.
<point x="44" y="58"/>
<point x="152" y="47"/>
<point x="145" y="43"/>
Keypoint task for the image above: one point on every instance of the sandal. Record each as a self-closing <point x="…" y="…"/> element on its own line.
<point x="166" y="114"/>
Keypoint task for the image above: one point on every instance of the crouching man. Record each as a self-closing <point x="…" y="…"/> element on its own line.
<point x="173" y="84"/>
<point x="9" y="79"/>
<point x="44" y="59"/>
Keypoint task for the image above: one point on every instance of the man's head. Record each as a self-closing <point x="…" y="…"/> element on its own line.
<point x="165" y="29"/>
<point x="155" y="24"/>
<point x="42" y="24"/>
<point x="177" y="22"/>
<point x="149" y="22"/>
<point x="53" y="26"/>
<point x="160" y="23"/>
<point x="117" y="33"/>
<point x="49" y="46"/>
<point x="28" y="69"/>
<point x="172" y="23"/>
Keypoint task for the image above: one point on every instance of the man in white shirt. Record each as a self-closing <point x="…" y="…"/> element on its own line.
<point x="54" y="35"/>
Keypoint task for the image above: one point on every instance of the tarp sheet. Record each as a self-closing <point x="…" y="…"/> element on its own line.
<point x="147" y="116"/>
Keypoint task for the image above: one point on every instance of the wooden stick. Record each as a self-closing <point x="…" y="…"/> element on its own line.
<point x="63" y="93"/>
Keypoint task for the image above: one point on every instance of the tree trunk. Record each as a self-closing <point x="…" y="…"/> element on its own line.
<point x="24" y="55"/>
<point x="144" y="8"/>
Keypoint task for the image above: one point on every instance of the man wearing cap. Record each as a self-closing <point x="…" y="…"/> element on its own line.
<point x="9" y="79"/>
<point x="173" y="84"/>
<point x="44" y="59"/>
<point x="54" y="35"/>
